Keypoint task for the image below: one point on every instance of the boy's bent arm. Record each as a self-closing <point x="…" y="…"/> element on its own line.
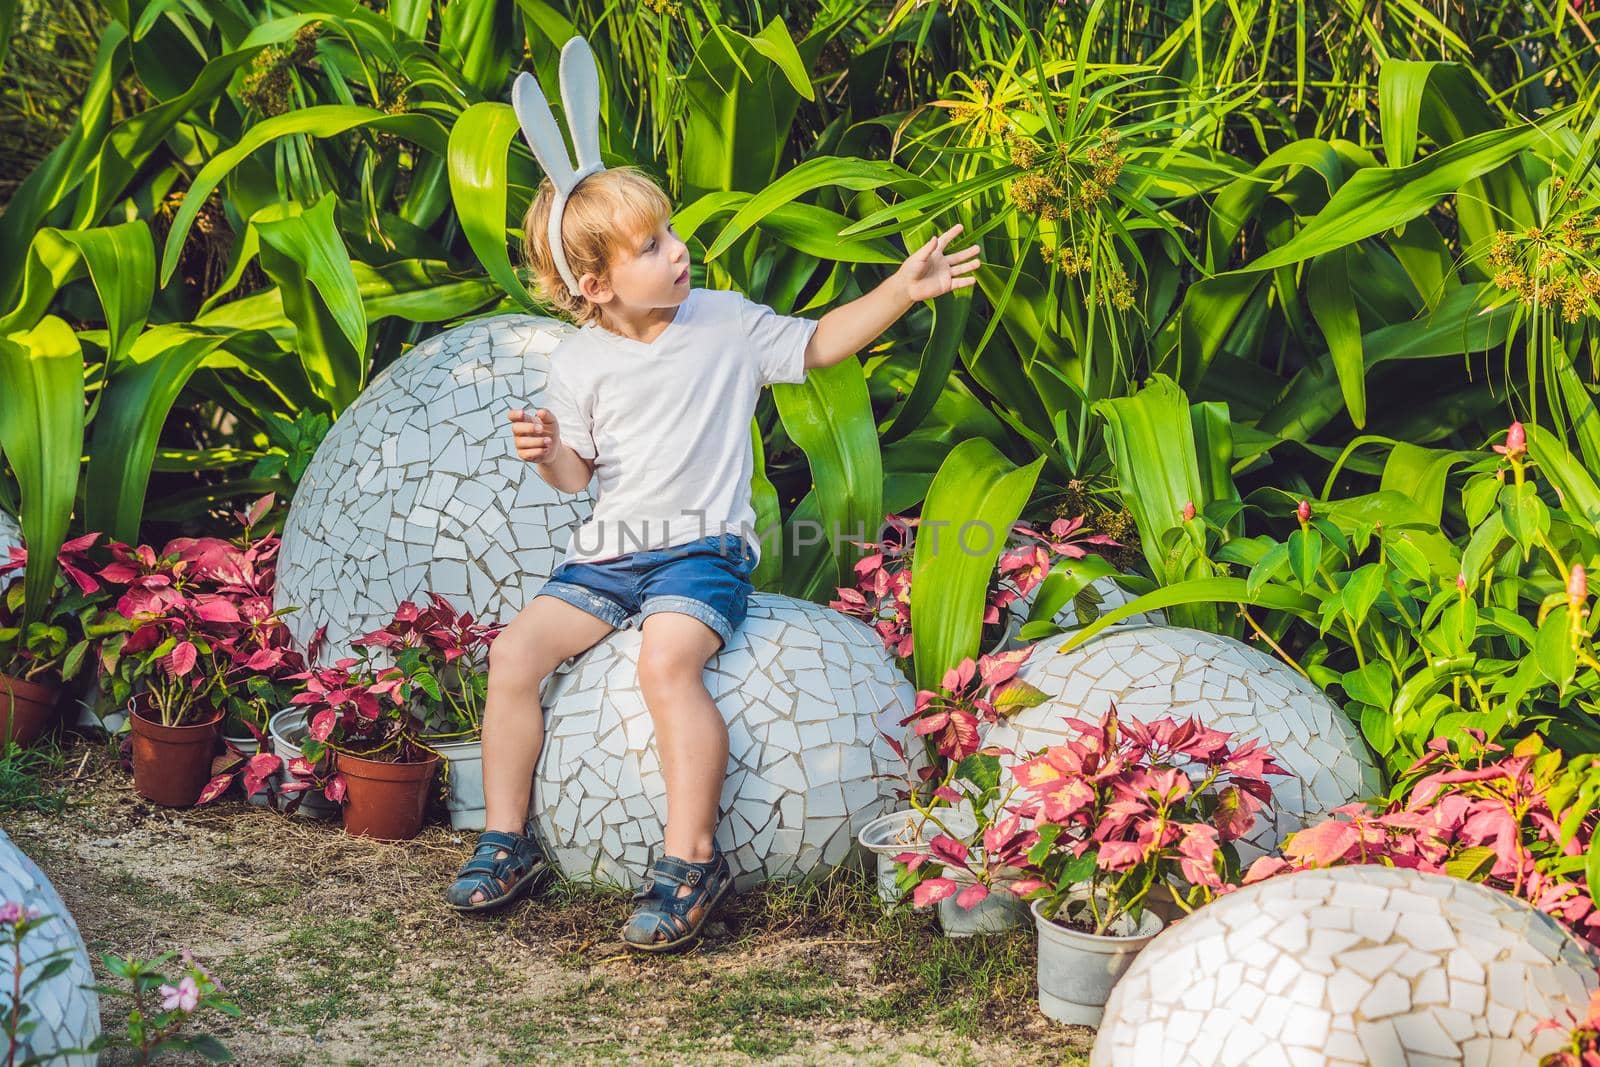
<point x="567" y="471"/>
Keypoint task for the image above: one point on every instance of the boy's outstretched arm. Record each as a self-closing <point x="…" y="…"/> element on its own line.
<point x="927" y="273"/>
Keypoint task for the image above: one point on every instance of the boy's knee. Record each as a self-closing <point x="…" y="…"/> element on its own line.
<point x="515" y="658"/>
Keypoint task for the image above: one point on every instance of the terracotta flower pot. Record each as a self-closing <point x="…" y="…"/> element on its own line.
<point x="171" y="764"/>
<point x="27" y="710"/>
<point x="385" y="800"/>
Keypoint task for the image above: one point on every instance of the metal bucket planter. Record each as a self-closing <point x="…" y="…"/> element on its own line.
<point x="1077" y="970"/>
<point x="996" y="913"/>
<point x="288" y="730"/>
<point x="898" y="832"/>
<point x="464" y="800"/>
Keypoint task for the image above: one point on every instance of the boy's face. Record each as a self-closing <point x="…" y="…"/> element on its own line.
<point x="650" y="270"/>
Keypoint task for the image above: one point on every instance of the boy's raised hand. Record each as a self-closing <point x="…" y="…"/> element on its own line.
<point x="928" y="273"/>
<point x="537" y="436"/>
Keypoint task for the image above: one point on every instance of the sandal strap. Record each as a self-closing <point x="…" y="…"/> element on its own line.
<point x="501" y="840"/>
<point x="682" y="872"/>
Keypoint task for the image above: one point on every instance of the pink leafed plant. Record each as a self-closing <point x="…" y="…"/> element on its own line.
<point x="1126" y="808"/>
<point x="199" y="633"/>
<point x="975" y="691"/>
<point x="881" y="596"/>
<point x="1521" y="822"/>
<point x="1583" y="1038"/>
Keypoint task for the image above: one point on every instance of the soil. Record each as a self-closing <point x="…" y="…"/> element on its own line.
<point x="342" y="950"/>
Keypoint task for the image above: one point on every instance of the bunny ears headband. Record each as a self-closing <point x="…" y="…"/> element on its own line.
<point x="580" y="95"/>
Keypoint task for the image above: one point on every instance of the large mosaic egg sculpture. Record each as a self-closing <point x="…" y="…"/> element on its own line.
<point x="66" y="1010"/>
<point x="1349" y="967"/>
<point x="417" y="487"/>
<point x="807" y="693"/>
<point x="10" y="534"/>
<point x="1154" y="672"/>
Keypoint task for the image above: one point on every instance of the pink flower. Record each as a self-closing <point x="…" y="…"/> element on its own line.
<point x="12" y="912"/>
<point x="1577" y="584"/>
<point x="1516" y="441"/>
<point x="186" y="997"/>
<point x="1302" y="511"/>
<point x="1188" y="511"/>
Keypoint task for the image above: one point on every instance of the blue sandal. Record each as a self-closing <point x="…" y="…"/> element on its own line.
<point x="502" y="879"/>
<point x="666" y="922"/>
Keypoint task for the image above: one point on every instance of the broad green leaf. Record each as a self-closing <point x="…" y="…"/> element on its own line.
<point x="41" y="435"/>
<point x="1333" y="305"/>
<point x="479" y="141"/>
<point x="976" y="487"/>
<point x="1553" y="650"/>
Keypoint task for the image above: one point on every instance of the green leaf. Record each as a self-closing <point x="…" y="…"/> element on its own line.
<point x="1478" y="497"/>
<point x="1305" y="553"/>
<point x="41" y="436"/>
<point x="305" y="255"/>
<point x="1377" y="726"/>
<point x="1524" y="514"/>
<point x="1553" y="650"/>
<point x="479" y="141"/>
<point x="829" y="415"/>
<point x="975" y="486"/>
<point x="1333" y="305"/>
<point x="981" y="770"/>
<point x="1372" y="684"/>
<point x="1361" y="592"/>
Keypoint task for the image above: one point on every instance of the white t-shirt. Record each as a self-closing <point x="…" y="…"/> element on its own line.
<point x="667" y="423"/>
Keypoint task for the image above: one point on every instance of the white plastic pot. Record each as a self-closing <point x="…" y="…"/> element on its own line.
<point x="1078" y="970"/>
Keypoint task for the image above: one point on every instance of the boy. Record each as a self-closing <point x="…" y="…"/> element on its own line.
<point x="654" y="394"/>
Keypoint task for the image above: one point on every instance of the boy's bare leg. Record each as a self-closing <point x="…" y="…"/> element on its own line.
<point x="544" y="634"/>
<point x="691" y="738"/>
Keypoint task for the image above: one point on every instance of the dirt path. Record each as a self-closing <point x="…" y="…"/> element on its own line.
<point x="341" y="950"/>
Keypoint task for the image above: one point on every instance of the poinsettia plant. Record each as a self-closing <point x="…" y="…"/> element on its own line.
<point x="444" y="656"/>
<point x="200" y="634"/>
<point x="1521" y="821"/>
<point x="1125" y="808"/>
<point x="881" y="596"/>
<point x="1583" y="1038"/>
<point x="57" y="643"/>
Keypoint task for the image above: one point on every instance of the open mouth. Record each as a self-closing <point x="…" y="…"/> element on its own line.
<point x="684" y="276"/>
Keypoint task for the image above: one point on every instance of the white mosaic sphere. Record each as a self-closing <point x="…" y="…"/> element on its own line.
<point x="10" y="534"/>
<point x="1347" y="967"/>
<point x="807" y="693"/>
<point x="417" y="487"/>
<point x="1098" y="597"/>
<point x="1154" y="672"/>
<point x="66" y="1009"/>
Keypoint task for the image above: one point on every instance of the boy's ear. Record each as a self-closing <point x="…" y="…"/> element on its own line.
<point x="594" y="288"/>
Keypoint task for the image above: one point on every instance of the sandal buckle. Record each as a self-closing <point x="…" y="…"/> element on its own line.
<point x="694" y="878"/>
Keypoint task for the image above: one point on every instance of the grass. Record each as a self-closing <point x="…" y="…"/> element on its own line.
<point x="23" y="772"/>
<point x="341" y="950"/>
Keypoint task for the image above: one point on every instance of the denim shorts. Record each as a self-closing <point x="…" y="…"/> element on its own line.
<point x="708" y="579"/>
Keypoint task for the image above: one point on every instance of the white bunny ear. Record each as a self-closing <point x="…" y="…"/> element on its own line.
<point x="580" y="94"/>
<point x="539" y="129"/>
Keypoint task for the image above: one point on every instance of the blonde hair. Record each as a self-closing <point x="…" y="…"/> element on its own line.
<point x="607" y="209"/>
